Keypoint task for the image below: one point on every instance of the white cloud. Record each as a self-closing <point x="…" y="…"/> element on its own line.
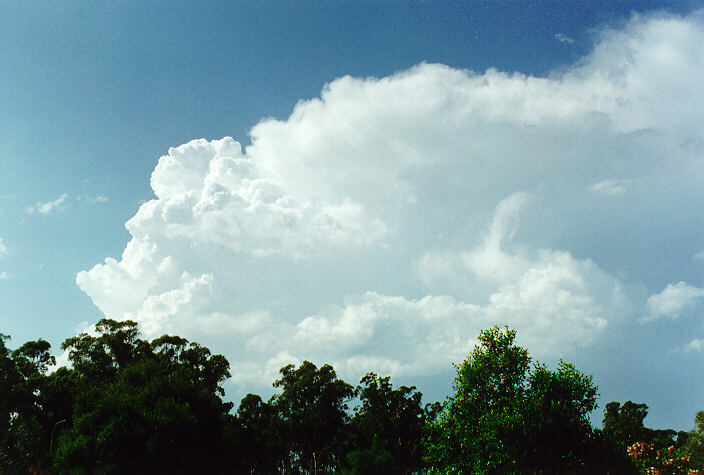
<point x="610" y="187"/>
<point x="364" y="229"/>
<point x="552" y="297"/>
<point x="562" y="38"/>
<point x="62" y="361"/>
<point x="209" y="190"/>
<point x="3" y="250"/>
<point x="48" y="207"/>
<point x="699" y="255"/>
<point x="551" y="305"/>
<point x="401" y="336"/>
<point x="672" y="301"/>
<point x="99" y="199"/>
<point x="694" y="345"/>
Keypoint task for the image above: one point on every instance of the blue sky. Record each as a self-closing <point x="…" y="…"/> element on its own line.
<point x="407" y="173"/>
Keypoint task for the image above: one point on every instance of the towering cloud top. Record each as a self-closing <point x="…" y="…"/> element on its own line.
<point x="383" y="224"/>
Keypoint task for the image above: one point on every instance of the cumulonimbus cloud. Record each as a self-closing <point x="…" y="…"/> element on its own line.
<point x="377" y="227"/>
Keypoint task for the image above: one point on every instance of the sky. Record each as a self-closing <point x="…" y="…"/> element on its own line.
<point x="365" y="184"/>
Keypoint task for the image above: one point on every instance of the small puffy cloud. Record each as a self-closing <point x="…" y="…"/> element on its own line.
<point x="562" y="38"/>
<point x="672" y="301"/>
<point x="695" y="345"/>
<point x="609" y="187"/>
<point x="699" y="255"/>
<point x="48" y="207"/>
<point x="3" y="275"/>
<point x="3" y="248"/>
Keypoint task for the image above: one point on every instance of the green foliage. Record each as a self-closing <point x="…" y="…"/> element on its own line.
<point x="25" y="419"/>
<point x="624" y="424"/>
<point x="624" y="427"/>
<point x="157" y="402"/>
<point x="259" y="436"/>
<point x="694" y="445"/>
<point x="387" y="427"/>
<point x="481" y="421"/>
<point x="128" y="405"/>
<point x="557" y="410"/>
<point x="372" y="461"/>
<point x="505" y="418"/>
<point x="313" y="411"/>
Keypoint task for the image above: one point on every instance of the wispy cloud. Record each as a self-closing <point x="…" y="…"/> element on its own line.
<point x="48" y="207"/>
<point x="610" y="187"/>
<point x="562" y="38"/>
<point x="93" y="199"/>
<point x="3" y="251"/>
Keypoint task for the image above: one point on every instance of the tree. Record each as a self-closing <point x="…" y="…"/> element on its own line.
<point x="259" y="438"/>
<point x="99" y="358"/>
<point x="10" y="378"/>
<point x="557" y="407"/>
<point x="624" y="424"/>
<point x="25" y="421"/>
<point x="476" y="427"/>
<point x="387" y="428"/>
<point x="694" y="446"/>
<point x="503" y="417"/>
<point x="144" y="407"/>
<point x="313" y="410"/>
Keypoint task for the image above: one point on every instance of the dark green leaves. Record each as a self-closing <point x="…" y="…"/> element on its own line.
<point x="313" y="411"/>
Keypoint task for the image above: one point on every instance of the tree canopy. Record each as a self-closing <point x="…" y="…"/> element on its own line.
<point x="313" y="410"/>
<point x="506" y="417"/>
<point x="130" y="405"/>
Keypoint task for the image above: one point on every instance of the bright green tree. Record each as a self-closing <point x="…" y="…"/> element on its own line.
<point x="504" y="417"/>
<point x="481" y="419"/>
<point x="694" y="447"/>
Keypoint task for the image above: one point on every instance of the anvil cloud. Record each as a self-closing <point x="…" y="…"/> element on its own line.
<point x="381" y="225"/>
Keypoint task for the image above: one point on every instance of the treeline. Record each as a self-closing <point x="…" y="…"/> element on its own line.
<point x="128" y="405"/>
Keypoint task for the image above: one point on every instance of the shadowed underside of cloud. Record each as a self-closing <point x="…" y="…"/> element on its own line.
<point x="378" y="226"/>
